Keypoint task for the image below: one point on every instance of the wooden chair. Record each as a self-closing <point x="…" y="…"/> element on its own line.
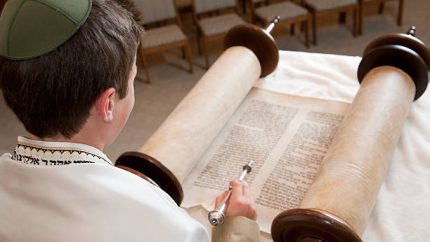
<point x="163" y="31"/>
<point x="213" y="19"/>
<point x="290" y="13"/>
<point x="381" y="3"/>
<point x="319" y="8"/>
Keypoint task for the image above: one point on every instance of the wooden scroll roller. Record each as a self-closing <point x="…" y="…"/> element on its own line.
<point x="173" y="150"/>
<point x="336" y="208"/>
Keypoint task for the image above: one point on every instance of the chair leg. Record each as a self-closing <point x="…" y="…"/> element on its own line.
<point x="355" y="21"/>
<point x="360" y="18"/>
<point x="189" y="57"/>
<point x="381" y="8"/>
<point x="205" y="53"/>
<point x="400" y="13"/>
<point x="293" y="29"/>
<point x="184" y="54"/>
<point x="244" y="6"/>
<point x="144" y="64"/>
<point x="314" y="28"/>
<point x="342" y="17"/>
<point x="145" y="70"/>
<point x="199" y="42"/>
<point x="306" y="26"/>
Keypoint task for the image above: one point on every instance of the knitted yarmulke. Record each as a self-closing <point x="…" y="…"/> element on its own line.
<point x="31" y="28"/>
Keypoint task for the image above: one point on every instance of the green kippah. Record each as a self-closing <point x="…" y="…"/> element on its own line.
<point x="31" y="28"/>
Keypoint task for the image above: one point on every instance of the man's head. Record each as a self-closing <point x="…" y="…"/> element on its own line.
<point x="53" y="94"/>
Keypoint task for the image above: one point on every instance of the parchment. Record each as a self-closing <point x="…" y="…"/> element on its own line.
<point x="286" y="137"/>
<point x="358" y="160"/>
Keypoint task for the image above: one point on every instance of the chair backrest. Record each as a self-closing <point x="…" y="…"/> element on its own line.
<point x="155" y="10"/>
<point x="202" y="6"/>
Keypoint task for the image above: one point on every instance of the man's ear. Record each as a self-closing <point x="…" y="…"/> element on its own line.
<point x="106" y="103"/>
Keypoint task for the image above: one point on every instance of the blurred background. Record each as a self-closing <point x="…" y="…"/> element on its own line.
<point x="168" y="70"/>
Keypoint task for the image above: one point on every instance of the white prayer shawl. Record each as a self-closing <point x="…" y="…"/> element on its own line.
<point x="56" y="191"/>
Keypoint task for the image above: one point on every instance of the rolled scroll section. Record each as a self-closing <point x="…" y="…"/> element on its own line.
<point x="338" y="205"/>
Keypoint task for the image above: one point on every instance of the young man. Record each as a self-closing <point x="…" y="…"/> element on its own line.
<point x="67" y="69"/>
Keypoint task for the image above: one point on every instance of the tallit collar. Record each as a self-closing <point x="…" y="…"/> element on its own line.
<point x="35" y="152"/>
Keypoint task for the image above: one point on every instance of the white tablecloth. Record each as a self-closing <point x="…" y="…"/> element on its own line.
<point x="402" y="211"/>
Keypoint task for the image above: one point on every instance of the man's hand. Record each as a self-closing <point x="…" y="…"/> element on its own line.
<point x="240" y="203"/>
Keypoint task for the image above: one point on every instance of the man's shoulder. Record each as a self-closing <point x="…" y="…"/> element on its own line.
<point x="104" y="198"/>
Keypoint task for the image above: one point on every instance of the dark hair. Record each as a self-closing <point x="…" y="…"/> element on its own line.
<point x="52" y="94"/>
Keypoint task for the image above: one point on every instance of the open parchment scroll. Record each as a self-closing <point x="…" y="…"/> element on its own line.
<point x="215" y="130"/>
<point x="286" y="137"/>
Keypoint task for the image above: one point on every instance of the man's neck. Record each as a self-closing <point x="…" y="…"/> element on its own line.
<point x="77" y="138"/>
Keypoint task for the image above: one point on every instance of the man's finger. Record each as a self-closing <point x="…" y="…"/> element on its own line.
<point x="237" y="190"/>
<point x="245" y="189"/>
<point x="220" y="198"/>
